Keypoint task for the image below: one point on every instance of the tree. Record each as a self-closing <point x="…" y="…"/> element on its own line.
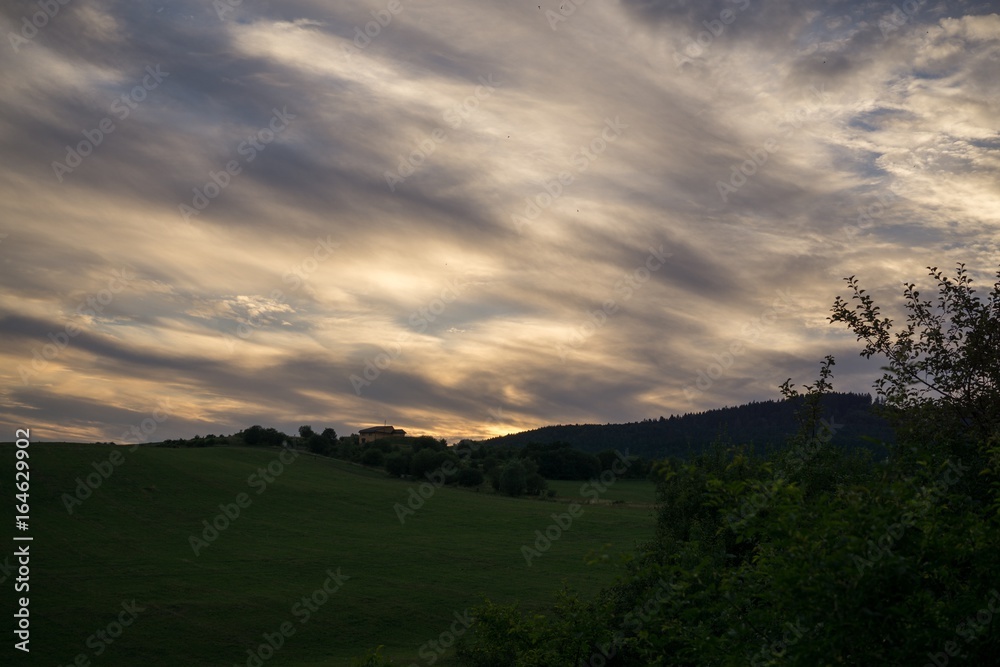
<point x="812" y="401"/>
<point x="330" y="435"/>
<point x="397" y="464"/>
<point x="558" y="460"/>
<point x="373" y="458"/>
<point x="470" y="477"/>
<point x="534" y="484"/>
<point x="492" y="469"/>
<point x="347" y="450"/>
<point x="513" y="478"/>
<point x="426" y="461"/>
<point x="428" y="442"/>
<point x="318" y="444"/>
<point x="943" y="372"/>
<point x="306" y="432"/>
<point x="254" y="435"/>
<point x="273" y="437"/>
<point x="607" y="458"/>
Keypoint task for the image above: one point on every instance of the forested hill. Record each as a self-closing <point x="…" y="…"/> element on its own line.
<point x="758" y="423"/>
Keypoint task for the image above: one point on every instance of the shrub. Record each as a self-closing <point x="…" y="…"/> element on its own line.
<point x="397" y="464"/>
<point x="372" y="457"/>
<point x="319" y="445"/>
<point x="426" y="461"/>
<point x="535" y="484"/>
<point x="470" y="477"/>
<point x="513" y="478"/>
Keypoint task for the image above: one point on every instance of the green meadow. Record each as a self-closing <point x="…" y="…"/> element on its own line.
<point x="397" y="585"/>
<point x="631" y="491"/>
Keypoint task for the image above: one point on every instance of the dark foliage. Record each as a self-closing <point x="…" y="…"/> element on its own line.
<point x="758" y="424"/>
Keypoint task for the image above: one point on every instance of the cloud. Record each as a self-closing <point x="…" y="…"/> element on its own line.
<point x="460" y="200"/>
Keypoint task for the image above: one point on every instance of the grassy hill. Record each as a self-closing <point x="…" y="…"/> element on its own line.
<point x="130" y="540"/>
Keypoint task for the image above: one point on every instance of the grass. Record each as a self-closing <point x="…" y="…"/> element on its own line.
<point x="130" y="540"/>
<point x="631" y="491"/>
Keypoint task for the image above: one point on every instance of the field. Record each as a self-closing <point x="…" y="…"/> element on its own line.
<point x="630" y="491"/>
<point x="400" y="585"/>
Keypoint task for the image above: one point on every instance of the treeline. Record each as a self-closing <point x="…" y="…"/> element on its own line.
<point x="758" y="424"/>
<point x="513" y="471"/>
<point x="508" y="470"/>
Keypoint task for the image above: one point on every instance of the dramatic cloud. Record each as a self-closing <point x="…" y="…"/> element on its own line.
<point x="470" y="218"/>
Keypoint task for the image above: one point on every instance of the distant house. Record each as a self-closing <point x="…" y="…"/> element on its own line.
<point x="375" y="432"/>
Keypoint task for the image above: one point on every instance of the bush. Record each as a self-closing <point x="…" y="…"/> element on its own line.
<point x="258" y="436"/>
<point x="427" y="442"/>
<point x="513" y="479"/>
<point x="319" y="445"/>
<point x="426" y="461"/>
<point x="397" y="464"/>
<point x="501" y="636"/>
<point x="470" y="477"/>
<point x="347" y="450"/>
<point x="534" y="484"/>
<point x="373" y="457"/>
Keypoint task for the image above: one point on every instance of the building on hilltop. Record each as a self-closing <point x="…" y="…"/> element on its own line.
<point x="375" y="432"/>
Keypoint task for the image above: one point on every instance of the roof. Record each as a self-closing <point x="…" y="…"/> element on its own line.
<point x="378" y="429"/>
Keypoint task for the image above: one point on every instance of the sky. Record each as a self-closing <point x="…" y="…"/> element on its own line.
<point x="470" y="218"/>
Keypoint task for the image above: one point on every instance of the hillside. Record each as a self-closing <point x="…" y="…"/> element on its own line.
<point x="758" y="423"/>
<point x="131" y="540"/>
